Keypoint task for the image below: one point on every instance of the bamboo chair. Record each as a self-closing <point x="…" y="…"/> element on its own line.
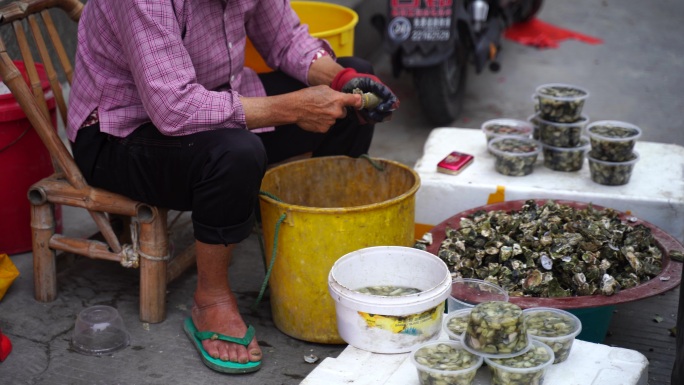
<point x="148" y="238"/>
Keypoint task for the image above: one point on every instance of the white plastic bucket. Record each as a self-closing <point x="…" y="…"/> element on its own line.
<point x="384" y="324"/>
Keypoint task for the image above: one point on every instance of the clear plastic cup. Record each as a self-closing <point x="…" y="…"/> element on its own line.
<point x="612" y="140"/>
<point x="469" y="292"/>
<point x="449" y="351"/>
<point x="99" y="330"/>
<point x="506" y="127"/>
<point x="565" y="158"/>
<point x="554" y="327"/>
<point x="560" y="102"/>
<point x="506" y="371"/>
<point x="455" y="324"/>
<point x="515" y="155"/>
<point x="496" y="329"/>
<point x="561" y="134"/>
<point x="611" y="173"/>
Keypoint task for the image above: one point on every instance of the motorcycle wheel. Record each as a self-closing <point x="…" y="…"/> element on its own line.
<point x="441" y="89"/>
<point x="526" y="10"/>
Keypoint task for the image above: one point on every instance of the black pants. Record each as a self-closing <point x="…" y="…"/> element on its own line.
<point x="215" y="174"/>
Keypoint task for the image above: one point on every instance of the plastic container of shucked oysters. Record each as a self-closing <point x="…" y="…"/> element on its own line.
<point x="468" y="292"/>
<point x="565" y="158"/>
<point x="561" y="134"/>
<point x="555" y="327"/>
<point x="527" y="368"/>
<point x="506" y="127"/>
<point x="515" y="156"/>
<point x="611" y="173"/>
<point x="455" y="323"/>
<point x="445" y="362"/>
<point x="496" y="329"/>
<point x="560" y="102"/>
<point x="612" y="140"/>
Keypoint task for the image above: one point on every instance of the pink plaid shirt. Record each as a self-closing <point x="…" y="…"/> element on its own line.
<point x="179" y="63"/>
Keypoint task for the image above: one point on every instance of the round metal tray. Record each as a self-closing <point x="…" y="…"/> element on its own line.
<point x="668" y="279"/>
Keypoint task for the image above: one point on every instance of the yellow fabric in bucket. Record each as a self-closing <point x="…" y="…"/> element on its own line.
<point x="8" y="272"/>
<point x="332" y="22"/>
<point x="333" y="206"/>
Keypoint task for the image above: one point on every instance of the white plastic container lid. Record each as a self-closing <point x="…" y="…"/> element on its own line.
<point x="522" y="127"/>
<point x="584" y="119"/>
<point x="614" y="123"/>
<point x="538" y="92"/>
<point x="584" y="146"/>
<point x="632" y="161"/>
<point x="535" y="344"/>
<point x="530" y="141"/>
<point x="577" y="324"/>
<point x="455" y="344"/>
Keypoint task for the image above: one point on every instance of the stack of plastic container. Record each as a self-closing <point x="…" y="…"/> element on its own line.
<point x="515" y="153"/>
<point x="517" y="346"/>
<point x="612" y="156"/>
<point x="495" y="333"/>
<point x="559" y="124"/>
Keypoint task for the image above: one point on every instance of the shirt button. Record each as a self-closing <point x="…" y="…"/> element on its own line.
<point x="232" y="77"/>
<point x="230" y="45"/>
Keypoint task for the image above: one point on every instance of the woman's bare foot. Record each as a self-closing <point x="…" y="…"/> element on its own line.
<point x="219" y="314"/>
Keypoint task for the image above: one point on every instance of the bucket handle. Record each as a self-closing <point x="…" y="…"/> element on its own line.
<point x="12" y="143"/>
<point x="373" y="163"/>
<point x="277" y="230"/>
<point x="273" y="252"/>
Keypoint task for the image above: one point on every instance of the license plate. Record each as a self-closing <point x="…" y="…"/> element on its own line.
<point x="420" y="20"/>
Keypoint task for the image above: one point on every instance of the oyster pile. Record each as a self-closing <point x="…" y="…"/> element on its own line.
<point x="494" y="130"/>
<point x="552" y="250"/>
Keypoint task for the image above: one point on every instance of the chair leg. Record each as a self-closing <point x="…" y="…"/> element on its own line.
<point x="153" y="262"/>
<point x="44" y="265"/>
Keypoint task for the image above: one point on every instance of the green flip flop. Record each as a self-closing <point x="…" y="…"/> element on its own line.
<point x="214" y="363"/>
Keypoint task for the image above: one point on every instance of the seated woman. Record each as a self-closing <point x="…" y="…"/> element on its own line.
<point x="162" y="110"/>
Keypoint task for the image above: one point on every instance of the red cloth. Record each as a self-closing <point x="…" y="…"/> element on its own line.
<point x="544" y="35"/>
<point x="5" y="347"/>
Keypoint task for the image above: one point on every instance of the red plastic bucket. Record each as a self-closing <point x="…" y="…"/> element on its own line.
<point x="24" y="160"/>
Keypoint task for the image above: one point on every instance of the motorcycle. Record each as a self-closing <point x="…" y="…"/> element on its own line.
<point x="436" y="40"/>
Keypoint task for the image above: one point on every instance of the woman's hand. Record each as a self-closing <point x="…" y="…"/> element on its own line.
<point x="319" y="106"/>
<point x="314" y="109"/>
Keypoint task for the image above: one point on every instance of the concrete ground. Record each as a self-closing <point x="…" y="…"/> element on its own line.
<point x="635" y="76"/>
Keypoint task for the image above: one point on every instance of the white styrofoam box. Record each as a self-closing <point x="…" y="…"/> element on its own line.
<point x="654" y="193"/>
<point x="588" y="364"/>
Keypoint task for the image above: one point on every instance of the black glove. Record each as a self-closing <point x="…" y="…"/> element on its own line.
<point x="348" y="80"/>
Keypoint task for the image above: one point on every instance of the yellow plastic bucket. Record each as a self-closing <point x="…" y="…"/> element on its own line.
<point x="332" y="22"/>
<point x="332" y="206"/>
